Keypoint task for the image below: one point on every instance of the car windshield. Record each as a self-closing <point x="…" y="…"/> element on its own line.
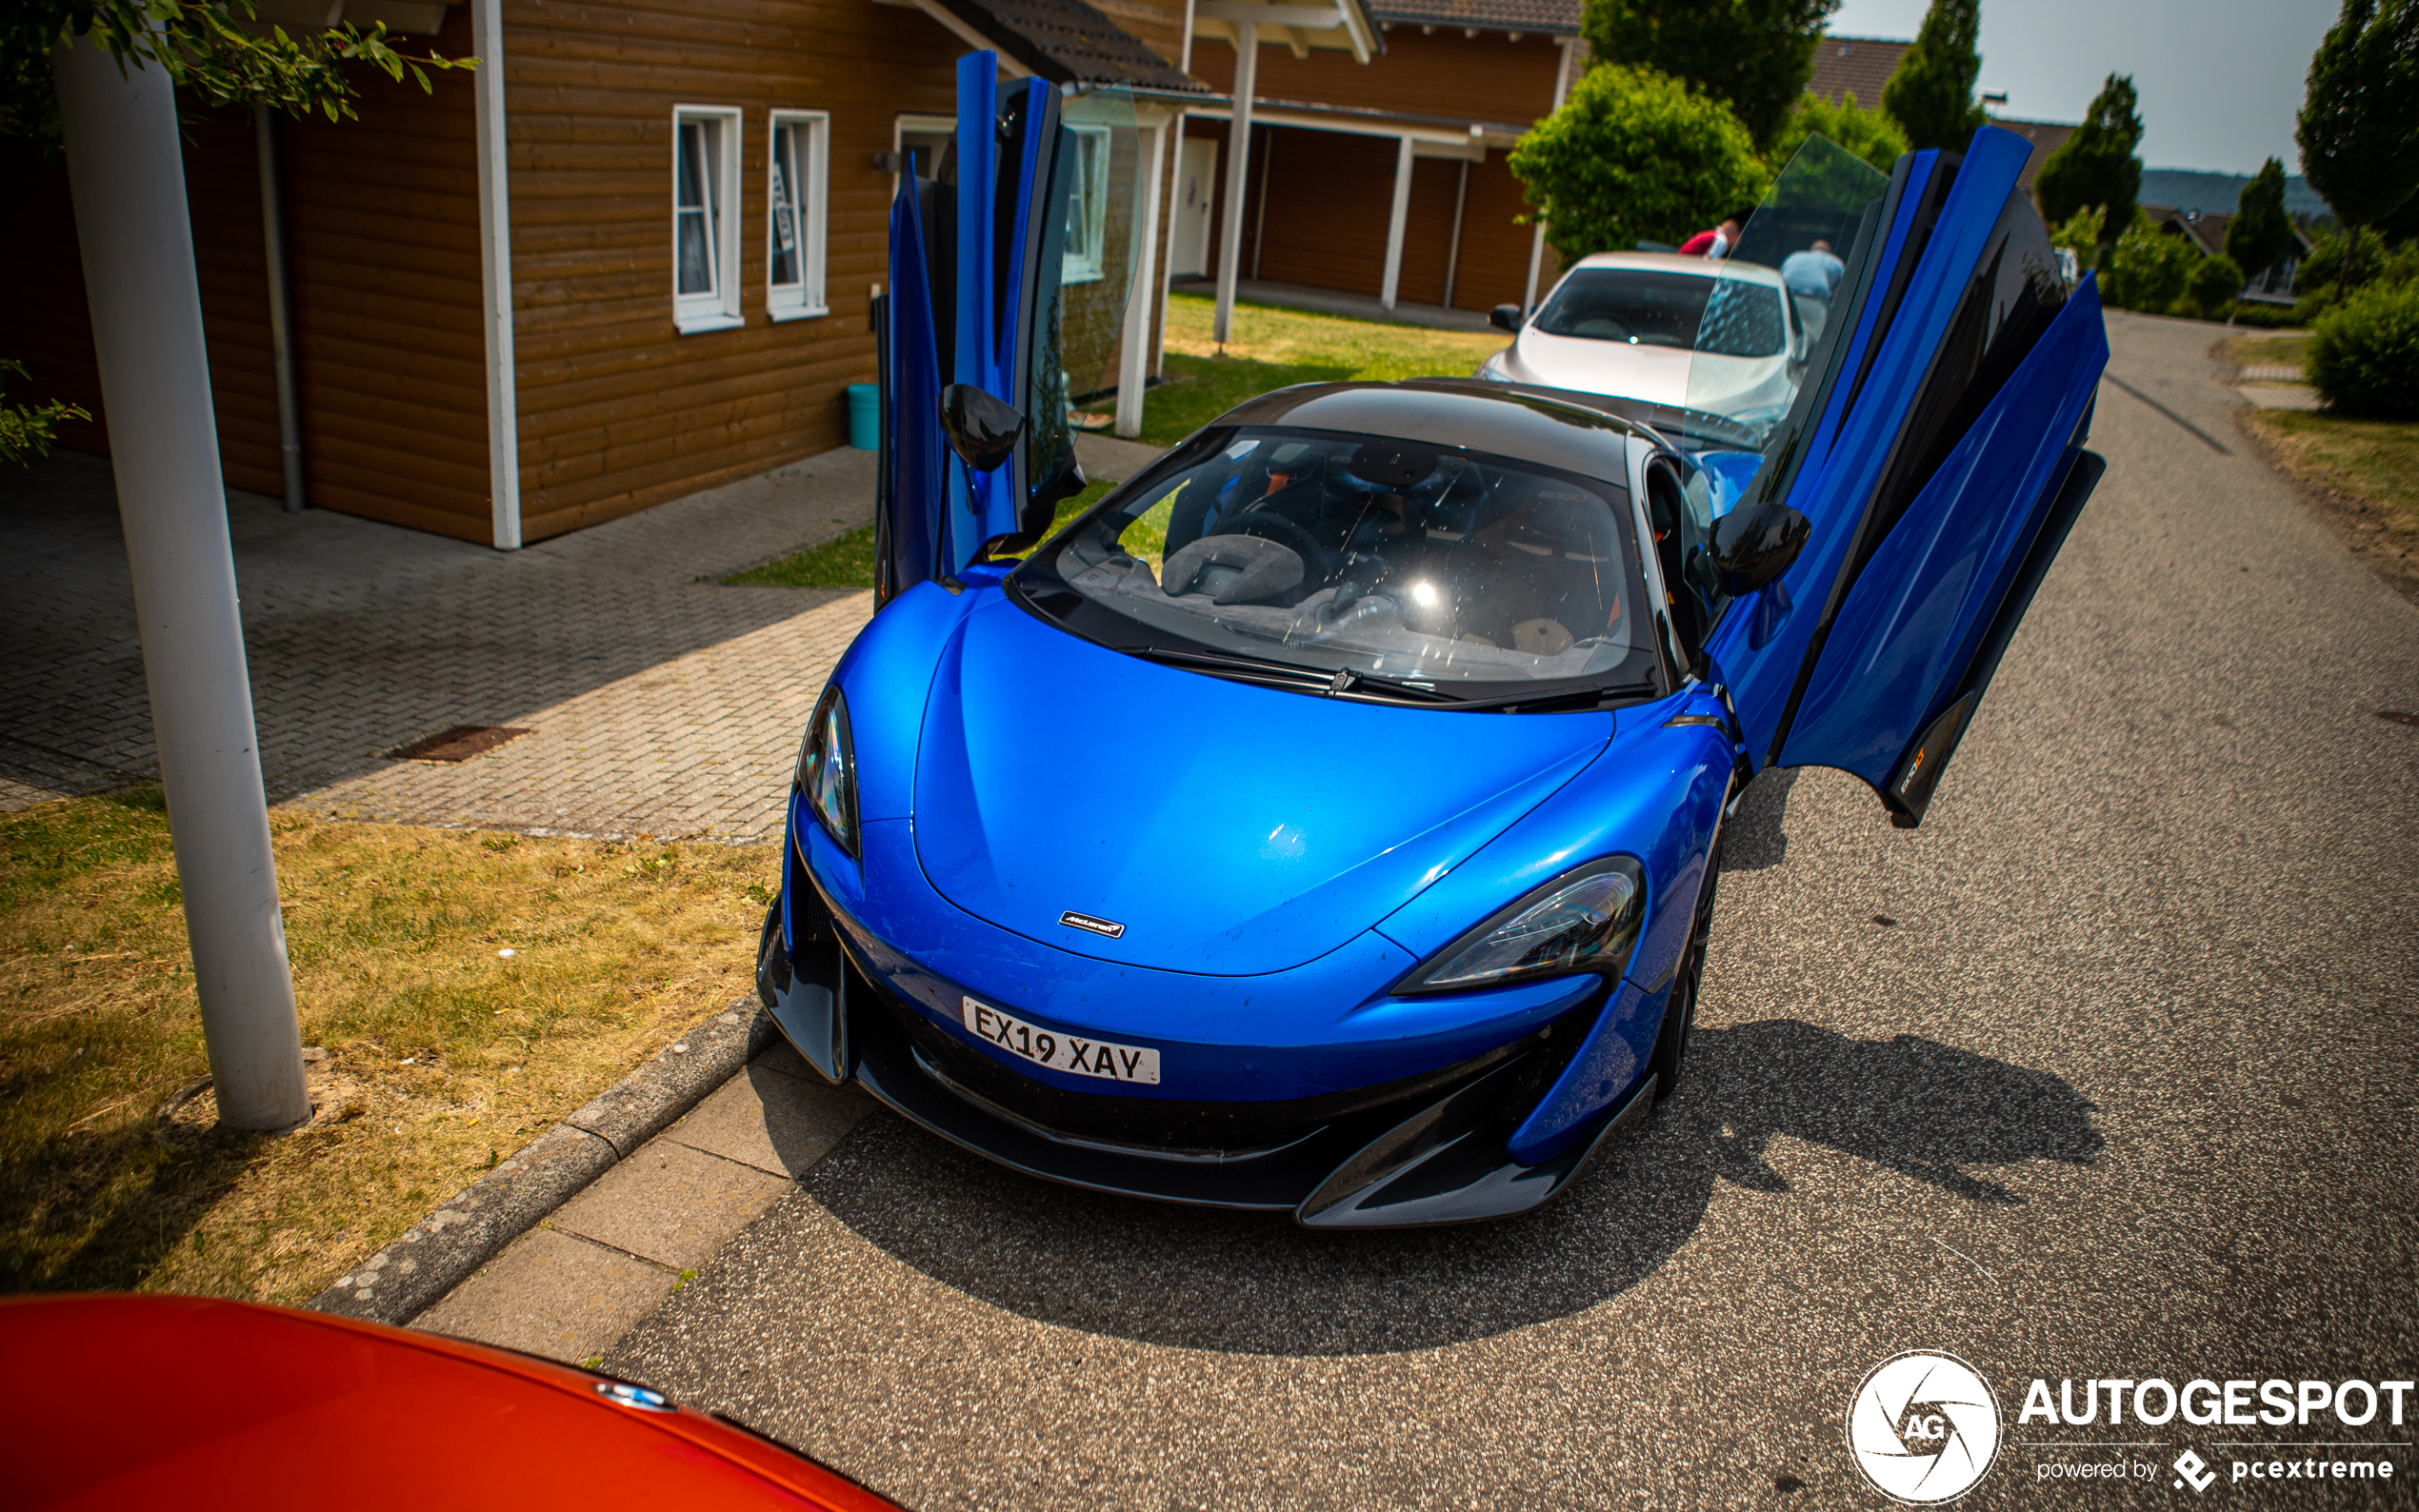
<point x="1645" y="307"/>
<point x="1461" y="574"/>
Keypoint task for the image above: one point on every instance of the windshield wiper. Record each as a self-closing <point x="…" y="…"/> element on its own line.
<point x="1581" y="698"/>
<point x="1289" y="674"/>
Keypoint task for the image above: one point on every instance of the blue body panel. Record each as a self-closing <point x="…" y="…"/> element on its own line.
<point x="1323" y="1026"/>
<point x="1846" y="452"/>
<point x="1228" y="826"/>
<point x="1911" y="623"/>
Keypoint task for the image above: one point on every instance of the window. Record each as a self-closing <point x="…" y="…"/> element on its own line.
<point x="794" y="212"/>
<point x="1086" y="205"/>
<point x="705" y="189"/>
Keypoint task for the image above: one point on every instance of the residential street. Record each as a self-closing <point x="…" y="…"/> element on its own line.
<point x="2108" y="1071"/>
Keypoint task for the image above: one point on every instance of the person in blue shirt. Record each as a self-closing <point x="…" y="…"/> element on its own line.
<point x="1814" y="274"/>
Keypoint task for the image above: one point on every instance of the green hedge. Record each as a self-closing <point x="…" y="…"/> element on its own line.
<point x="2264" y="315"/>
<point x="2364" y="355"/>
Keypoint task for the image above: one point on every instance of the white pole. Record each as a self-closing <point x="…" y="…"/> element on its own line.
<point x="1537" y="240"/>
<point x="127" y="176"/>
<point x="1133" y="354"/>
<point x="496" y="279"/>
<point x="1165" y="283"/>
<point x="1246" y="70"/>
<point x="1394" y="224"/>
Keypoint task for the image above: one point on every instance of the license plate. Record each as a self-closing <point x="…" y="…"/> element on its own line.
<point x="1060" y="1053"/>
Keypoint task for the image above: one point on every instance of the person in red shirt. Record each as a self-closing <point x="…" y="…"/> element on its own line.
<point x="1716" y="244"/>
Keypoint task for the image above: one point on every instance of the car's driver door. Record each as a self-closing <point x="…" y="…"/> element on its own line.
<point x="1934" y="453"/>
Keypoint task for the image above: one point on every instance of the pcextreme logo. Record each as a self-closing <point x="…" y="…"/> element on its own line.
<point x="1923" y="1428"/>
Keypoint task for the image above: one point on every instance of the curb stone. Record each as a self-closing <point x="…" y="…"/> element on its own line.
<point x="444" y="1249"/>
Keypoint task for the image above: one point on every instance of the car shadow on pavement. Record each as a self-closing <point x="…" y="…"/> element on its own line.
<point x="1753" y="837"/>
<point x="1256" y="1282"/>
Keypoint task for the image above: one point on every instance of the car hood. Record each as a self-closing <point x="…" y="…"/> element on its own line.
<point x="1662" y="375"/>
<point x="1230" y="829"/>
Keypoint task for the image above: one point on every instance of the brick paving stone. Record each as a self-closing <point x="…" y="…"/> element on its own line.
<point x="660" y="703"/>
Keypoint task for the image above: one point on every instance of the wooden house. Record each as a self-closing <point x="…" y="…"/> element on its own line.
<point x="628" y="258"/>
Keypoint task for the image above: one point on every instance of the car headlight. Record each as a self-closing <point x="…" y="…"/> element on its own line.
<point x="828" y="770"/>
<point x="1583" y="921"/>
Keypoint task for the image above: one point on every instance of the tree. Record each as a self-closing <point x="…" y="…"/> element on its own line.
<point x="206" y="45"/>
<point x="2148" y="269"/>
<point x="1754" y="55"/>
<point x="1634" y="156"/>
<point x="2214" y="284"/>
<point x="2097" y="165"/>
<point x="1870" y="134"/>
<point x="2359" y="124"/>
<point x="2080" y="234"/>
<point x="2259" y="233"/>
<point x="1932" y="96"/>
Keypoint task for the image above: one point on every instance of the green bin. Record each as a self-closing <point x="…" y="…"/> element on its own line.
<point x="865" y="416"/>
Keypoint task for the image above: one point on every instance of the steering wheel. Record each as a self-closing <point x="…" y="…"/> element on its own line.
<point x="1269" y="526"/>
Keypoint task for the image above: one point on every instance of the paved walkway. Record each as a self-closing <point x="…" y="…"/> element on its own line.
<point x="659" y="702"/>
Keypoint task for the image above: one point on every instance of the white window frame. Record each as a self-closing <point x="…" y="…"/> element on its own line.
<point x="810" y="145"/>
<point x="1088" y="207"/>
<point x="717" y="307"/>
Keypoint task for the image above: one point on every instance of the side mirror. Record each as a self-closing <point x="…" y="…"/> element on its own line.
<point x="1754" y="545"/>
<point x="1505" y="318"/>
<point x="981" y="428"/>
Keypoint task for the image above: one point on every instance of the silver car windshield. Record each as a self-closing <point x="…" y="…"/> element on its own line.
<point x="1641" y="307"/>
<point x="1434" y="566"/>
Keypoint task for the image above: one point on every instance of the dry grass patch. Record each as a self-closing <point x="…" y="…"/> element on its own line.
<point x="444" y="1055"/>
<point x="2364" y="476"/>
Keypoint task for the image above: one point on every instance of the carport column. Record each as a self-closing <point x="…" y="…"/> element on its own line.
<point x="495" y="277"/>
<point x="1133" y="352"/>
<point x="1394" y="222"/>
<point x="1246" y="70"/>
<point x="126" y="173"/>
<point x="1537" y="238"/>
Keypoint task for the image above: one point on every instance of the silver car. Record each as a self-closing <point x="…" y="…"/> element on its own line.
<point x="1720" y="337"/>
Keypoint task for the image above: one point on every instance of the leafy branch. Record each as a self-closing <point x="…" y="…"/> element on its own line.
<point x="27" y="431"/>
<point x="212" y="47"/>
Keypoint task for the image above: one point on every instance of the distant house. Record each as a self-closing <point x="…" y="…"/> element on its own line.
<point x="1861" y="66"/>
<point x="1858" y="66"/>
<point x="2205" y="231"/>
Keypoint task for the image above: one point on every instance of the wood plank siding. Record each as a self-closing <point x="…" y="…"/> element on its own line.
<point x="1443" y="77"/>
<point x="618" y="410"/>
<point x="50" y="327"/>
<point x="381" y="219"/>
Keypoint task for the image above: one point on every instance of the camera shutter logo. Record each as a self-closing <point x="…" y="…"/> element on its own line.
<point x="1923" y="1428"/>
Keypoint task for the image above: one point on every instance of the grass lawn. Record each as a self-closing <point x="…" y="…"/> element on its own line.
<point x="846" y="561"/>
<point x="1272" y="348"/>
<point x="443" y="1055"/>
<point x="2268" y="352"/>
<point x="2364" y="471"/>
<point x="1275" y="347"/>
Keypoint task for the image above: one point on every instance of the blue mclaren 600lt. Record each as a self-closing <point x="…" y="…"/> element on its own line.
<point x="1326" y="819"/>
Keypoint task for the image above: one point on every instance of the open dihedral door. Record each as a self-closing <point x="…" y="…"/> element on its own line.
<point x="984" y="247"/>
<point x="1936" y="451"/>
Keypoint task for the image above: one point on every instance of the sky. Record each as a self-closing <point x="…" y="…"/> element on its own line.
<point x="2218" y="80"/>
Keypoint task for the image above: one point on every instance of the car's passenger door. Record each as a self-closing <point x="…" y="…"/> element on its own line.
<point x="1935" y="452"/>
<point x="980" y="296"/>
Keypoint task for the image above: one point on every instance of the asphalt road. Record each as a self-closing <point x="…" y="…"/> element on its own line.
<point x="2125" y="1091"/>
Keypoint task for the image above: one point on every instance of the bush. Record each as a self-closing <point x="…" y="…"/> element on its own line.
<point x="2147" y="269"/>
<point x="1634" y="156"/>
<point x="2363" y="354"/>
<point x="2264" y="316"/>
<point x="2213" y="287"/>
<point x="2081" y="236"/>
